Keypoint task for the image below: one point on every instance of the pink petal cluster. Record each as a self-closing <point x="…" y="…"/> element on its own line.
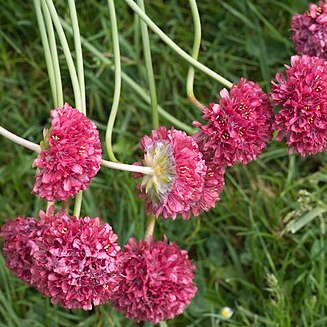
<point x="18" y="245"/>
<point x="71" y="260"/>
<point x="309" y="31"/>
<point x="156" y="281"/>
<point x="179" y="172"/>
<point x="239" y="127"/>
<point x="72" y="156"/>
<point x="214" y="178"/>
<point x="302" y="94"/>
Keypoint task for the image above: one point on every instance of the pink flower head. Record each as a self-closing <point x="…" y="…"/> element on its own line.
<point x="156" y="280"/>
<point x="76" y="261"/>
<point x="71" y="158"/>
<point x="18" y="246"/>
<point x="179" y="173"/>
<point x="239" y="127"/>
<point x="302" y="94"/>
<point x="309" y="31"/>
<point x="214" y="179"/>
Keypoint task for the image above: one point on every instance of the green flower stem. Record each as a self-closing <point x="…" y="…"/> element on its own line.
<point x="54" y="55"/>
<point x="195" y="54"/>
<point x="80" y="76"/>
<point x="125" y="167"/>
<point x="149" y="70"/>
<point x="46" y="47"/>
<point x="78" y="204"/>
<point x="76" y="82"/>
<point x="116" y="97"/>
<point x="170" y="118"/>
<point x="78" y="50"/>
<point x="153" y="97"/>
<point x="109" y="164"/>
<point x="150" y="226"/>
<point x="68" y="56"/>
<point x="175" y="47"/>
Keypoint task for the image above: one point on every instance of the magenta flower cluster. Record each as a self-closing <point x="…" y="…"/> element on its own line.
<point x="155" y="280"/>
<point x="78" y="263"/>
<point x="239" y="127"/>
<point x="189" y="171"/>
<point x="302" y="96"/>
<point x="70" y="157"/>
<point x="309" y="31"/>
<point x="73" y="261"/>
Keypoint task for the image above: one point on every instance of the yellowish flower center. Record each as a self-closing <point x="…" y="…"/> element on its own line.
<point x="161" y="159"/>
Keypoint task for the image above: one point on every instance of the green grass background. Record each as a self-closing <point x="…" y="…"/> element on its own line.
<point x="246" y="256"/>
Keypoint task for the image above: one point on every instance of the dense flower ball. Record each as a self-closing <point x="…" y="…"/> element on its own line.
<point x="156" y="281"/>
<point x="239" y="127"/>
<point x="18" y="245"/>
<point x="309" y="31"/>
<point x="303" y="98"/>
<point x="179" y="173"/>
<point x="74" y="261"/>
<point x="71" y="157"/>
<point x="214" y="179"/>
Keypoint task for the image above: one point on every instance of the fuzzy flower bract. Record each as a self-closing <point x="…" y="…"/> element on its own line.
<point x="179" y="172"/>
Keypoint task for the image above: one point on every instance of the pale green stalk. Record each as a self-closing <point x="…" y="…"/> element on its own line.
<point x="150" y="226"/>
<point x="80" y="73"/>
<point x="195" y="54"/>
<point x="46" y="47"/>
<point x="54" y="55"/>
<point x="67" y="53"/>
<point x="175" y="47"/>
<point x="153" y="97"/>
<point x="116" y="96"/>
<point x="74" y="79"/>
<point x="78" y="50"/>
<point x="149" y="70"/>
<point x="170" y="118"/>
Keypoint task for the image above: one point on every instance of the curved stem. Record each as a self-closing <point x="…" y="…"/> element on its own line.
<point x="175" y="47"/>
<point x="140" y="91"/>
<point x="116" y="97"/>
<point x="68" y="56"/>
<point x="149" y="70"/>
<point x="195" y="54"/>
<point x="109" y="164"/>
<point x="78" y="50"/>
<point x="46" y="47"/>
<point x="54" y="55"/>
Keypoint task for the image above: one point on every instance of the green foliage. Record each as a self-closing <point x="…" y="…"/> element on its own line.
<point x="246" y="255"/>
